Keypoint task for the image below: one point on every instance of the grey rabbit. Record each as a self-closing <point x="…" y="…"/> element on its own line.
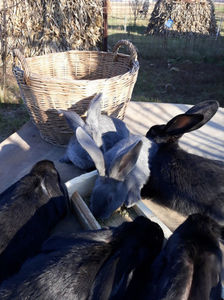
<point x="123" y="170"/>
<point x="105" y="131"/>
<point x="182" y="181"/>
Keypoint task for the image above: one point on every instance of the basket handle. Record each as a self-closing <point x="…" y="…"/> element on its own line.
<point x="18" y="54"/>
<point x="130" y="46"/>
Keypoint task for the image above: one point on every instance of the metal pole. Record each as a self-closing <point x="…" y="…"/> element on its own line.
<point x="4" y="50"/>
<point x="105" y="24"/>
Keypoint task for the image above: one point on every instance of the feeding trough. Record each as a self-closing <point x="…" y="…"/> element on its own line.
<point x="80" y="188"/>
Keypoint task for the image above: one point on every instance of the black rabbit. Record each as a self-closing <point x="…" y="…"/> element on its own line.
<point x="179" y="180"/>
<point x="88" y="265"/>
<point x="29" y="209"/>
<point x="189" y="266"/>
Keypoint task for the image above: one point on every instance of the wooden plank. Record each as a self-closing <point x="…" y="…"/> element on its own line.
<point x="169" y="217"/>
<point x="85" y="216"/>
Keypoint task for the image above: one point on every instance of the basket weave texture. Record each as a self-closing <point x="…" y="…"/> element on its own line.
<point x="69" y="80"/>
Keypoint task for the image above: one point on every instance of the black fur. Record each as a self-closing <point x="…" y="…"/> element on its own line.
<point x="91" y="265"/>
<point x="29" y="209"/>
<point x="182" y="181"/>
<point x="189" y="266"/>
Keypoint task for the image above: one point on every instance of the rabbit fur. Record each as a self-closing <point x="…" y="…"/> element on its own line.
<point x="189" y="266"/>
<point x="105" y="131"/>
<point x="88" y="265"/>
<point x="29" y="209"/>
<point x="123" y="170"/>
<point x="182" y="181"/>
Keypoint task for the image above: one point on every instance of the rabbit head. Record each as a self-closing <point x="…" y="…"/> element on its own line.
<point x="111" y="186"/>
<point x="193" y="119"/>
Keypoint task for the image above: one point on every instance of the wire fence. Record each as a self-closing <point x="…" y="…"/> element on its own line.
<point x="129" y="19"/>
<point x="165" y="81"/>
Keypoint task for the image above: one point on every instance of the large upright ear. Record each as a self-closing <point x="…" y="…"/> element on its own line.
<point x="91" y="148"/>
<point x="124" y="163"/>
<point x="182" y="123"/>
<point x="94" y="110"/>
<point x="93" y="120"/>
<point x="72" y="118"/>
<point x="205" y="108"/>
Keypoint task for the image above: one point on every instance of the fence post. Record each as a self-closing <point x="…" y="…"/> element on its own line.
<point x="4" y="50"/>
<point x="105" y="24"/>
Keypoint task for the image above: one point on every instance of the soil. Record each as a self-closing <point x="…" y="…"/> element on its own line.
<point x="180" y="81"/>
<point x="13" y="113"/>
<point x="12" y="117"/>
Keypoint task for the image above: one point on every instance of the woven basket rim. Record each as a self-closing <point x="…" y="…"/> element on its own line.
<point x="132" y="64"/>
<point x="35" y="76"/>
<point x="78" y="52"/>
<point x="57" y="80"/>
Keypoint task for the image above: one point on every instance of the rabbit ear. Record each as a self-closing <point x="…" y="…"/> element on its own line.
<point x="91" y="148"/>
<point x="123" y="164"/>
<point x="94" y="110"/>
<point x="205" y="108"/>
<point x="73" y="119"/>
<point x="182" y="123"/>
<point x="93" y="120"/>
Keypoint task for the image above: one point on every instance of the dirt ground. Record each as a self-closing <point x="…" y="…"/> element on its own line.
<point x="13" y="113"/>
<point x="180" y="81"/>
<point x="12" y="117"/>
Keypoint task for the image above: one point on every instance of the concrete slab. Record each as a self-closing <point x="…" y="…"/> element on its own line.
<point x="208" y="141"/>
<point x="20" y="151"/>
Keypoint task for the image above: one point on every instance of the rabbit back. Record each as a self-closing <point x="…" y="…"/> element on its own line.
<point x="73" y="267"/>
<point x="186" y="183"/>
<point x="29" y="209"/>
<point x="190" y="264"/>
<point x="182" y="181"/>
<point x="78" y="156"/>
<point x="113" y="130"/>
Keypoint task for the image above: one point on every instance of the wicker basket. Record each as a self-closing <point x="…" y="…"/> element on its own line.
<point x="69" y="80"/>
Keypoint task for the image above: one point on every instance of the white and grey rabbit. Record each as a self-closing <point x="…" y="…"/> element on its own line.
<point x="182" y="181"/>
<point x="123" y="170"/>
<point x="105" y="131"/>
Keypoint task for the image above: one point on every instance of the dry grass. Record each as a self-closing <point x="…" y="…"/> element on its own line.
<point x="189" y="17"/>
<point x="39" y="27"/>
